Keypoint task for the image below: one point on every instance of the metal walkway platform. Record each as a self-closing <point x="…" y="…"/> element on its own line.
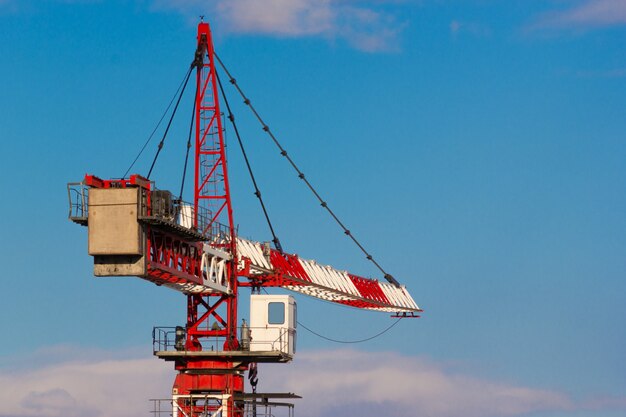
<point x="231" y="355"/>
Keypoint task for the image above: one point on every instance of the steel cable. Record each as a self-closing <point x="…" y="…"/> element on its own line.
<point x="156" y="127"/>
<point x="169" y="124"/>
<point x="193" y="114"/>
<point x="330" y="339"/>
<point x="351" y="341"/>
<point x="257" y="192"/>
<point x="301" y="175"/>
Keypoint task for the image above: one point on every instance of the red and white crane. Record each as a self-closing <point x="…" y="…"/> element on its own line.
<point x="138" y="230"/>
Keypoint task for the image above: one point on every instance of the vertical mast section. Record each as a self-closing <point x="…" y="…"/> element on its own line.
<point x="213" y="213"/>
<point x="211" y="316"/>
<point x="212" y="204"/>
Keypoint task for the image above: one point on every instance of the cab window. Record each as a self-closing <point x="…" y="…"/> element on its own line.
<point x="276" y="313"/>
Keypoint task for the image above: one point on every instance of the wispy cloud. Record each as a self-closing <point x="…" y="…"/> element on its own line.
<point x="587" y="14"/>
<point x="86" y="387"/>
<point x="366" y="25"/>
<point x="358" y="23"/>
<point x="333" y="382"/>
<point x="458" y="27"/>
<point x="283" y="17"/>
<point x="8" y="6"/>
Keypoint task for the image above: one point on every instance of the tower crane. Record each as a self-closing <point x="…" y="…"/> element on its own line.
<point x="135" y="229"/>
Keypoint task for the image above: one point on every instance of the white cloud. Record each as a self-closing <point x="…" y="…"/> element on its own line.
<point x="333" y="382"/>
<point x="284" y="17"/>
<point x="586" y="14"/>
<point x="367" y="25"/>
<point x="84" y="388"/>
<point x="359" y="24"/>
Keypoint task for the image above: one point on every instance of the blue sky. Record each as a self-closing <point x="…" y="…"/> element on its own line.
<point x="477" y="148"/>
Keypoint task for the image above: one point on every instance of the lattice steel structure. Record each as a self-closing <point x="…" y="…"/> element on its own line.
<point x="137" y="230"/>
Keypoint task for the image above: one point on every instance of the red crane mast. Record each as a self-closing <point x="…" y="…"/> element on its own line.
<point x="138" y="230"/>
<point x="213" y="217"/>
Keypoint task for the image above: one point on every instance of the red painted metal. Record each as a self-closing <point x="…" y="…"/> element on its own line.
<point x="288" y="265"/>
<point x="308" y="277"/>
<point x="172" y="259"/>
<point x="212" y="196"/>
<point x="211" y="187"/>
<point x="369" y="288"/>
<point x="133" y="181"/>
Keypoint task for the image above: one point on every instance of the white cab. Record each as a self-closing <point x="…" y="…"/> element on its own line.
<point x="273" y="323"/>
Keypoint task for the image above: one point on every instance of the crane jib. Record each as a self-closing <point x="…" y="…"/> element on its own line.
<point x="168" y="250"/>
<point x="268" y="267"/>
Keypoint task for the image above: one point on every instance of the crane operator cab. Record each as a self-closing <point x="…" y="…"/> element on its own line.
<point x="273" y="323"/>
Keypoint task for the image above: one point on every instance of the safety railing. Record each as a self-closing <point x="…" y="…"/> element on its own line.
<point x="160" y="205"/>
<point x="155" y="206"/>
<point x="78" y="197"/>
<point x="262" y="409"/>
<point x="166" y="210"/>
<point x="196" y="405"/>
<point x="168" y="339"/>
<point x="210" y="406"/>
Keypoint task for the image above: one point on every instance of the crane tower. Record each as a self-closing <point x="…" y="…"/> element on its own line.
<point x="135" y="229"/>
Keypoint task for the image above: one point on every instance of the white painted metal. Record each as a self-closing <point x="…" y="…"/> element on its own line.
<point x="214" y="274"/>
<point x="185" y="216"/>
<point x="213" y="267"/>
<point x="268" y="335"/>
<point x="329" y="283"/>
<point x="220" y="401"/>
<point x="254" y="252"/>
